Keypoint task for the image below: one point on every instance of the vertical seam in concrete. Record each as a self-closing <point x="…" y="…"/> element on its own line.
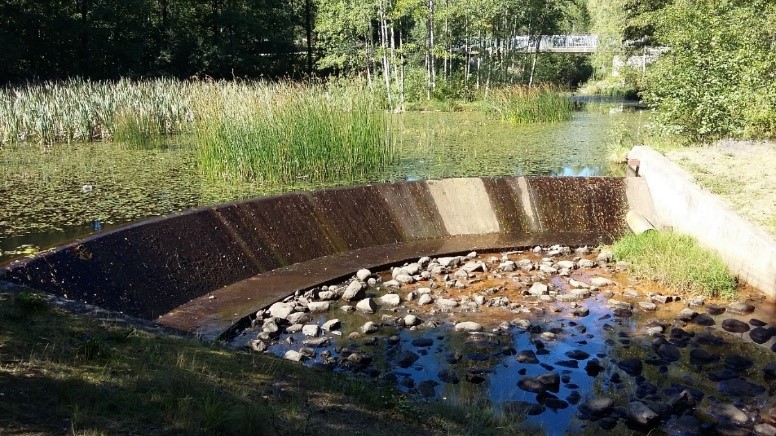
<point x="529" y="204"/>
<point x="464" y="205"/>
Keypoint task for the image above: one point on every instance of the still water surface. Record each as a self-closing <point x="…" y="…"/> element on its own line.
<point x="55" y="194"/>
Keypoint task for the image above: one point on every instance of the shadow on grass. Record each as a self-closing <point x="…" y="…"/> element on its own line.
<point x="60" y="373"/>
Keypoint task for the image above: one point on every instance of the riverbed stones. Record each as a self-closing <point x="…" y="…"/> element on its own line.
<point x="733" y="325"/>
<point x="740" y="308"/>
<point x="390" y="300"/>
<point x="281" y="310"/>
<point x="548" y="327"/>
<point x="258" y="345"/>
<point x="363" y="274"/>
<point x="367" y="305"/>
<point x="293" y="355"/>
<point x="369" y="327"/>
<point x="642" y="415"/>
<point x="318" y="306"/>
<point x="331" y="325"/>
<point x="310" y="330"/>
<point x="468" y="326"/>
<point x="354" y="291"/>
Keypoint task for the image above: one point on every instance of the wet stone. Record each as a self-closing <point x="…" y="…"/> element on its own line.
<point x="757" y="322"/>
<point x="704" y="320"/>
<point x="760" y="335"/>
<point x="556" y="404"/>
<point x="448" y="376"/>
<point x="715" y="309"/>
<point x="406" y="359"/>
<point x="530" y="384"/>
<point x="527" y="356"/>
<point x="735" y="326"/>
<point x="769" y="371"/>
<point x="738" y="363"/>
<point x="740" y="308"/>
<point x="422" y="342"/>
<point x="699" y="356"/>
<point x="577" y="354"/>
<point x="669" y="352"/>
<point x="593" y="367"/>
<point x="427" y="388"/>
<point x="568" y="363"/>
<point x="738" y="387"/>
<point x="642" y="415"/>
<point x="706" y="338"/>
<point x="723" y="374"/>
<point x="686" y="315"/>
<point x="631" y="366"/>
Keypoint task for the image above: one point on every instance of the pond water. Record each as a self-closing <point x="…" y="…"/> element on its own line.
<point x="54" y="194"/>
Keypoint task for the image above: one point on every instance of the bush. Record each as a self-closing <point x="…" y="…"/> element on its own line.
<point x="718" y="78"/>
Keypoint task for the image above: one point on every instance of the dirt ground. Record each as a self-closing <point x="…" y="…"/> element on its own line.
<point x="743" y="173"/>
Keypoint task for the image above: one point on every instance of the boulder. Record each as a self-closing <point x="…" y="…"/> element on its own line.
<point x="367" y="305"/>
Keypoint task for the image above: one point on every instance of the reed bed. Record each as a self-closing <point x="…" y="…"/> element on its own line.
<point x="286" y="132"/>
<point x="83" y="110"/>
<point x="521" y="105"/>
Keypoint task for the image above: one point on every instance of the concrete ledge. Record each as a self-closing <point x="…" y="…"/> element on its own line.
<point x="152" y="267"/>
<point x="682" y="205"/>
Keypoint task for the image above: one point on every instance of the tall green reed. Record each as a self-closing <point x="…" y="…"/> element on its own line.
<point x="286" y="132"/>
<point x="83" y="110"/>
<point x="519" y="105"/>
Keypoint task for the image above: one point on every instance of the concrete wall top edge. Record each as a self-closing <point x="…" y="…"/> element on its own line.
<point x="679" y="203"/>
<point x="149" y="267"/>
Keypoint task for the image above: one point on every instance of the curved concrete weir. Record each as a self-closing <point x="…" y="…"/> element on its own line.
<point x="203" y="270"/>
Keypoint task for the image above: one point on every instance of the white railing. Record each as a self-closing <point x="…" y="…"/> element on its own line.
<point x="557" y="43"/>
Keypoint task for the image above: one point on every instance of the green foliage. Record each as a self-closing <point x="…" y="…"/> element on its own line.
<point x="107" y="39"/>
<point x="30" y="302"/>
<point x="520" y="105"/>
<point x="284" y="132"/>
<point x="718" y="78"/>
<point x="676" y="262"/>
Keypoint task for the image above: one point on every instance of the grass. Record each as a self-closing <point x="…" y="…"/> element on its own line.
<point x="61" y="373"/>
<point x="609" y="88"/>
<point x="280" y="133"/>
<point x="676" y="262"/>
<point x="520" y="105"/>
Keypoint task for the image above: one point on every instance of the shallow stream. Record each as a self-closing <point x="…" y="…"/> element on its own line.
<point x="554" y="340"/>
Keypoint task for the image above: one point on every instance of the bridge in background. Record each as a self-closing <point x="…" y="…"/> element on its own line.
<point x="528" y="44"/>
<point x="557" y="43"/>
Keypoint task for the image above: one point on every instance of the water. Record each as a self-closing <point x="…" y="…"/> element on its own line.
<point x="54" y="194"/>
<point x="585" y="350"/>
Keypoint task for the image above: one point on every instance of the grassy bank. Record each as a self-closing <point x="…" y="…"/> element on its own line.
<point x="520" y="105"/>
<point x="676" y="262"/>
<point x="65" y="374"/>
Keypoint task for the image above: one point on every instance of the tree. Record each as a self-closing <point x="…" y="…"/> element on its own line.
<point x="719" y="77"/>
